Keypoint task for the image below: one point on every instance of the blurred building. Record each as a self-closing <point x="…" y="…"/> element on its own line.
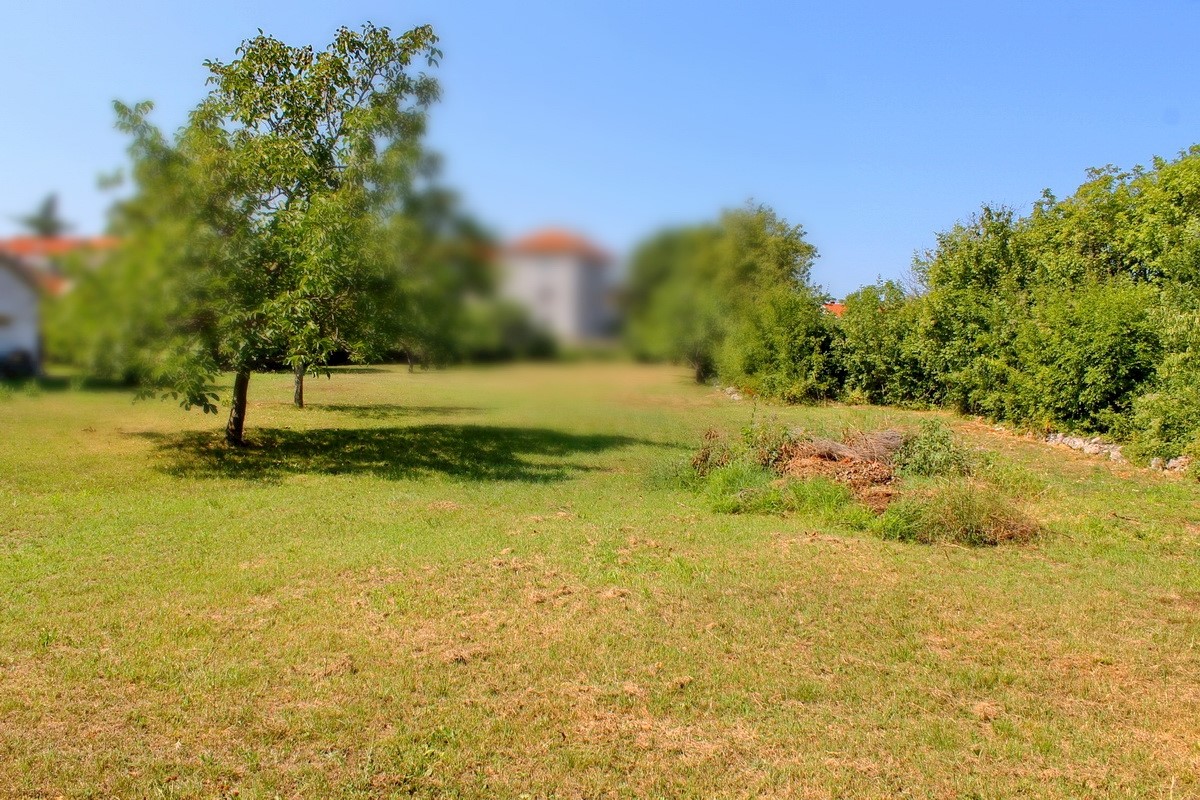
<point x="44" y="256"/>
<point x="564" y="282"/>
<point x="30" y="267"/>
<point x="20" y="320"/>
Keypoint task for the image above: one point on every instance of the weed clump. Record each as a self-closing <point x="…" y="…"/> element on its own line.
<point x="743" y="488"/>
<point x="933" y="452"/>
<point x="966" y="512"/>
<point x="768" y="443"/>
<point x="715" y="452"/>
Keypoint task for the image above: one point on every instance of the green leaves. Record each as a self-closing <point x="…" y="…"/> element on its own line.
<point x="734" y="297"/>
<point x="249" y="241"/>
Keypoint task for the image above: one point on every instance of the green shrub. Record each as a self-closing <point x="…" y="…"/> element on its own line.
<point x="962" y="512"/>
<point x="933" y="451"/>
<point x="1165" y="420"/>
<point x="741" y="488"/>
<point x="713" y="453"/>
<point x="767" y="442"/>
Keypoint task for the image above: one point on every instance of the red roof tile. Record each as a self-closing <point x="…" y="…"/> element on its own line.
<point x="556" y="241"/>
<point x="34" y="246"/>
<point x="837" y="309"/>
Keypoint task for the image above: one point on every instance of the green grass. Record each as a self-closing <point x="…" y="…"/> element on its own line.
<point x="496" y="582"/>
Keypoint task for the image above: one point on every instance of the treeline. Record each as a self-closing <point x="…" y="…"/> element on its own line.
<point x="1082" y="316"/>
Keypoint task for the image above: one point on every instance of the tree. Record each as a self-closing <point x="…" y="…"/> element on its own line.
<point x="45" y="222"/>
<point x="444" y="260"/>
<point x="274" y="198"/>
<point x="731" y="297"/>
<point x="673" y="309"/>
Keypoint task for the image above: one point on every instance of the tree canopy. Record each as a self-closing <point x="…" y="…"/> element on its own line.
<point x="720" y="295"/>
<point x="732" y="298"/>
<point x="263" y="222"/>
<point x="45" y="221"/>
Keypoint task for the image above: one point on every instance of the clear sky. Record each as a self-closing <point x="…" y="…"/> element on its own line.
<point x="872" y="124"/>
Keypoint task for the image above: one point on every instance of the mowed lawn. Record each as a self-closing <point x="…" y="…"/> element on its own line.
<point x="471" y="583"/>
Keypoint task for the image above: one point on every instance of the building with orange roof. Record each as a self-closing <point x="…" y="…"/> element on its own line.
<point x="563" y="280"/>
<point x="42" y="255"/>
<point x="837" y="309"/>
<point x="29" y="269"/>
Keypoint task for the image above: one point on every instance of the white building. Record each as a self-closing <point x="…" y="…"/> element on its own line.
<point x="20" y="327"/>
<point x="563" y="281"/>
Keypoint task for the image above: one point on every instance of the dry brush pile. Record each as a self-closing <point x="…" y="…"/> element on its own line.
<point x="919" y="485"/>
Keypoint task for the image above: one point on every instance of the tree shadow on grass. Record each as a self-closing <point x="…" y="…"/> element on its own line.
<point x="387" y="410"/>
<point x="348" y="370"/>
<point x="469" y="452"/>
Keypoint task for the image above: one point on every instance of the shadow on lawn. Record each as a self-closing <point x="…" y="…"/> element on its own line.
<point x="386" y="410"/>
<point x="471" y="452"/>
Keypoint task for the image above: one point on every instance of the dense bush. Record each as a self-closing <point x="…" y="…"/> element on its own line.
<point x="732" y="299"/>
<point x="1081" y="316"/>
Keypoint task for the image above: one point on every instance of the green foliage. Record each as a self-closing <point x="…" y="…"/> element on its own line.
<point x="1080" y="316"/>
<point x="743" y="488"/>
<point x="960" y="511"/>
<point x="264" y="232"/>
<point x="827" y="500"/>
<point x="1165" y="418"/>
<point x="875" y="347"/>
<point x="45" y="221"/>
<point x="495" y="330"/>
<point x="784" y="349"/>
<point x="766" y="442"/>
<point x="733" y="299"/>
<point x="933" y="451"/>
<point x="440" y="309"/>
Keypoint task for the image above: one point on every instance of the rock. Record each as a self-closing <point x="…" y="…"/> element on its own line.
<point x="1156" y="463"/>
<point x="1178" y="464"/>
<point x="1115" y="455"/>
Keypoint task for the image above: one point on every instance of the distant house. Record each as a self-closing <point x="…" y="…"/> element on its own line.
<point x="563" y="281"/>
<point x="29" y="268"/>
<point x="20" y="324"/>
<point x="43" y="254"/>
<point x="837" y="309"/>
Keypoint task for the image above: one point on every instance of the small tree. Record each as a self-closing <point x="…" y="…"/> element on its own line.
<point x="277" y="190"/>
<point x="45" y="222"/>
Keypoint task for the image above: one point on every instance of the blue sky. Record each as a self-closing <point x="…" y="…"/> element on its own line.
<point x="874" y="125"/>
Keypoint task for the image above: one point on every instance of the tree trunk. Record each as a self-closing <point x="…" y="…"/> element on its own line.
<point x="237" y="412"/>
<point x="298" y="391"/>
<point x="408" y="355"/>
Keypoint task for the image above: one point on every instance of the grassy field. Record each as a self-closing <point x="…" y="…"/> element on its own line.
<point x="470" y="583"/>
